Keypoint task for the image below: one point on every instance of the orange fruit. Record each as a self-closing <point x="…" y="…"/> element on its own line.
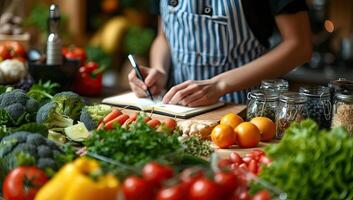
<point x="266" y="126"/>
<point x="231" y="120"/>
<point x="247" y="135"/>
<point x="223" y="136"/>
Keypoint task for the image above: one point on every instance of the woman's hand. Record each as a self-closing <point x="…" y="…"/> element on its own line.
<point x="194" y="93"/>
<point x="155" y="80"/>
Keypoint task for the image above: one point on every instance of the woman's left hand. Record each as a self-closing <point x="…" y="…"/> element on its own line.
<point x="194" y="93"/>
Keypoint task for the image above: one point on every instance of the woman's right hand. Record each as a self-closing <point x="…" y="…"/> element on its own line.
<point x="155" y="80"/>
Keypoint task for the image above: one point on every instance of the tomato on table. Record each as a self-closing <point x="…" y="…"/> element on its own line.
<point x="176" y="192"/>
<point x="204" y="189"/>
<point x="75" y="53"/>
<point x="23" y="183"/>
<point x="156" y="173"/>
<point x="136" y="188"/>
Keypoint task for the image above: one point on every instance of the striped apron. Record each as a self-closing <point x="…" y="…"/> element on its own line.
<point x="207" y="38"/>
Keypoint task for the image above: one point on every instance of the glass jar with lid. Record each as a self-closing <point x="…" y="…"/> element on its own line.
<point x="262" y="103"/>
<point x="319" y="105"/>
<point x="291" y="107"/>
<point x="279" y="85"/>
<point x="342" y="114"/>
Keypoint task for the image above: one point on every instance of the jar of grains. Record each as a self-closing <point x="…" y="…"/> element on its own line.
<point x="279" y="85"/>
<point x="262" y="103"/>
<point x="319" y="104"/>
<point x="291" y="107"/>
<point x="343" y="112"/>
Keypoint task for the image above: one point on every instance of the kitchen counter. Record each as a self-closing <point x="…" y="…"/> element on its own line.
<point x="319" y="76"/>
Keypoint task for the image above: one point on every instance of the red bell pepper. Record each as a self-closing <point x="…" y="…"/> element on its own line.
<point x="89" y="79"/>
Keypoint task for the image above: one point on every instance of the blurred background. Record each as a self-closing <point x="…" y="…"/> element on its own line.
<point x="109" y="29"/>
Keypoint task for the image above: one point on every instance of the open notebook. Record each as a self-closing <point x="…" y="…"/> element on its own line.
<point x="145" y="104"/>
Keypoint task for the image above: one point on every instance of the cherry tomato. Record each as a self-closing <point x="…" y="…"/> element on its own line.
<point x="153" y="123"/>
<point x="204" y="189"/>
<point x="16" y="49"/>
<point x="244" y="166"/>
<point x="247" y="159"/>
<point x="135" y="188"/>
<point x="75" y="53"/>
<point x="156" y="173"/>
<point x="23" y="183"/>
<point x="190" y="175"/>
<point x="177" y="192"/>
<point x="262" y="195"/>
<point x="170" y="123"/>
<point x="236" y="158"/>
<point x="4" y="53"/>
<point x="243" y="195"/>
<point x="227" y="182"/>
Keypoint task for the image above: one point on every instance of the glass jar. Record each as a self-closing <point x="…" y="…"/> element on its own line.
<point x="319" y="105"/>
<point x="291" y="107"/>
<point x="279" y="85"/>
<point x="343" y="111"/>
<point x="262" y="103"/>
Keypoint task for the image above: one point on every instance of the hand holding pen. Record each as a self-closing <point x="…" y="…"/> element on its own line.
<point x="154" y="80"/>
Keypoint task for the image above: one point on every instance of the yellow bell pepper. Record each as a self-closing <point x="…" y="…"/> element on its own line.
<point x="73" y="183"/>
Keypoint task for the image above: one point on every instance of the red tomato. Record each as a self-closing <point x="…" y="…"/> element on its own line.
<point x="16" y="49"/>
<point x="153" y="123"/>
<point x="23" y="183"/>
<point x="75" y="53"/>
<point x="227" y="182"/>
<point x="177" y="192"/>
<point x="244" y="166"/>
<point x="156" y="173"/>
<point x="135" y="188"/>
<point x="262" y="195"/>
<point x="170" y="123"/>
<point x="244" y="195"/>
<point x="204" y="189"/>
<point x="236" y="158"/>
<point x="4" y="53"/>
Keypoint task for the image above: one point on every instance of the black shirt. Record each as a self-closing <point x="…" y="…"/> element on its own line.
<point x="260" y="14"/>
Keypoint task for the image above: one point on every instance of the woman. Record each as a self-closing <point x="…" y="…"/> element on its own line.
<point x="213" y="50"/>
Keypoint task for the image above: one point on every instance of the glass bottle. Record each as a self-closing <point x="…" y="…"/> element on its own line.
<point x="342" y="114"/>
<point x="319" y="105"/>
<point x="54" y="56"/>
<point x="262" y="103"/>
<point x="291" y="107"/>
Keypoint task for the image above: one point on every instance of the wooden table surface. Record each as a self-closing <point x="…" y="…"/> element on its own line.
<point x="216" y="115"/>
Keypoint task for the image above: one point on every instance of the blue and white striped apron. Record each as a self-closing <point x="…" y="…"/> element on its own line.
<point x="207" y="38"/>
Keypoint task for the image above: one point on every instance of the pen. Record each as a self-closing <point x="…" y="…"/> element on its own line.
<point x="139" y="74"/>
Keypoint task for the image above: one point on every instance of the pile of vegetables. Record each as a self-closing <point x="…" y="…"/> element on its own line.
<point x="29" y="149"/>
<point x="312" y="164"/>
<point x="135" y="145"/>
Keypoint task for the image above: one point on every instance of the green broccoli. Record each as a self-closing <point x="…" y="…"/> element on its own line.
<point x="20" y="107"/>
<point x="92" y="115"/>
<point x="51" y="115"/>
<point x="25" y="148"/>
<point x="70" y="104"/>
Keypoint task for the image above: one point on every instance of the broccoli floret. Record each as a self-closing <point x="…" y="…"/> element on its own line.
<point x="15" y="110"/>
<point x="50" y="115"/>
<point x="69" y="103"/>
<point x="92" y="115"/>
<point x="24" y="148"/>
<point x="19" y="107"/>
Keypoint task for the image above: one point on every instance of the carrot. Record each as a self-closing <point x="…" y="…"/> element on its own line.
<point x="118" y="120"/>
<point x="100" y="125"/>
<point x="153" y="123"/>
<point x="112" y="115"/>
